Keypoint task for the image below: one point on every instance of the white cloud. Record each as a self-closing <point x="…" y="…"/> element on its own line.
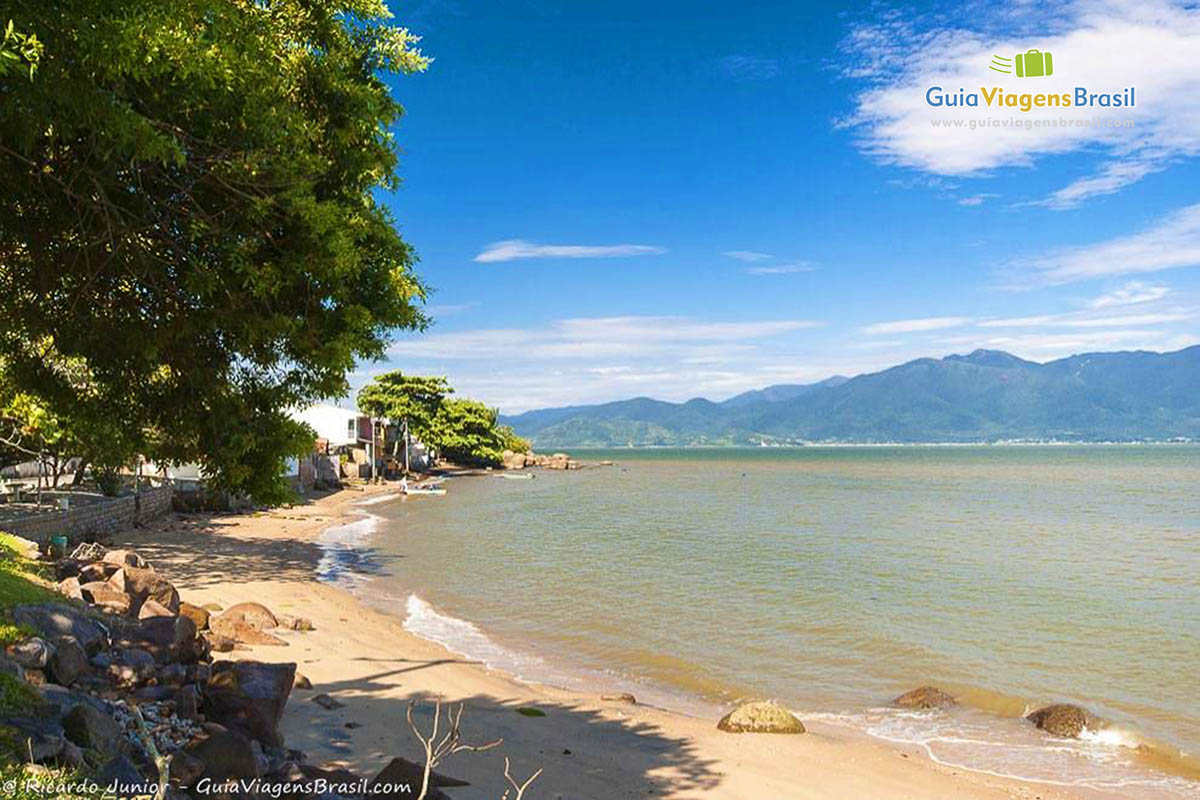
<point x="1075" y="321"/>
<point x="1171" y="243"/>
<point x="976" y="199"/>
<point x="1102" y="45"/>
<point x="513" y="249"/>
<point x="1130" y="294"/>
<point x="916" y="325"/>
<point x="598" y="337"/>
<point x="781" y="269"/>
<point x="747" y="255"/>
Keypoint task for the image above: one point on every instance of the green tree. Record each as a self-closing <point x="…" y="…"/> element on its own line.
<point x="465" y="432"/>
<point x="19" y="52"/>
<point x="401" y="397"/>
<point x="189" y="207"/>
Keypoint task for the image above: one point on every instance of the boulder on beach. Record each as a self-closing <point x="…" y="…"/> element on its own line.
<point x="124" y="558"/>
<point x="760" y="718"/>
<point x="56" y="620"/>
<point x="249" y="696"/>
<point x="254" y="615"/>
<point x="235" y="630"/>
<point x="925" y="697"/>
<point x="196" y="614"/>
<point x="146" y="584"/>
<point x="1061" y="719"/>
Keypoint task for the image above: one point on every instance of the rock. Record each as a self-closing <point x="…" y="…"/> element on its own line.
<point x="42" y="736"/>
<point x="70" y="588"/>
<point x="185" y="768"/>
<point x="33" y="653"/>
<point x="120" y="778"/>
<point x="35" y="677"/>
<point x="239" y="631"/>
<point x="199" y="616"/>
<point x="187" y="702"/>
<point x="226" y="755"/>
<point x="71" y="755"/>
<point x="213" y="608"/>
<point x="10" y="667"/>
<point x="623" y="697"/>
<point x="925" y="697"/>
<point x="89" y="727"/>
<point x="125" y="558"/>
<point x="1061" y="719"/>
<point x="53" y="620"/>
<point x="153" y="694"/>
<point x="153" y="608"/>
<point x="401" y="771"/>
<point x="168" y="638"/>
<point x="130" y="666"/>
<point x="249" y="696"/>
<point x="66" y="568"/>
<point x="326" y="702"/>
<point x="218" y="643"/>
<point x="89" y="573"/>
<point x="146" y="584"/>
<point x="760" y="718"/>
<point x="255" y="615"/>
<point x="302" y="682"/>
<point x="105" y="596"/>
<point x="68" y="661"/>
<point x="295" y="623"/>
<point x="172" y="675"/>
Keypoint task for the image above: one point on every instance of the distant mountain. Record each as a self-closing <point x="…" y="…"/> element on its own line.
<point x="986" y="395"/>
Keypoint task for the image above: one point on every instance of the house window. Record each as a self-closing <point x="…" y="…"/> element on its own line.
<point x="351" y="429"/>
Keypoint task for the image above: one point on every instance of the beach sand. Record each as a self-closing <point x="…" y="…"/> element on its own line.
<point x="588" y="748"/>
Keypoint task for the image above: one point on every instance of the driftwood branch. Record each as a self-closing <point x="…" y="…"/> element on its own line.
<point x="513" y="786"/>
<point x="438" y="749"/>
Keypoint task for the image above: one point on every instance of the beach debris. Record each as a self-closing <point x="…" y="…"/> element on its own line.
<point x="620" y="697"/>
<point x="249" y="696"/>
<point x="326" y="702"/>
<point x="925" y="697"/>
<point x="526" y="711"/>
<point x="518" y="788"/>
<point x="401" y="772"/>
<point x="1062" y="719"/>
<point x="88" y="551"/>
<point x="760" y="718"/>
<point x="440" y="746"/>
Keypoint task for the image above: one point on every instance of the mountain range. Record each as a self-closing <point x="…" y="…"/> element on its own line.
<point x="986" y="395"/>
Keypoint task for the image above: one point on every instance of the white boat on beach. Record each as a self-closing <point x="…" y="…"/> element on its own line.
<point x="521" y="476"/>
<point x="419" y="490"/>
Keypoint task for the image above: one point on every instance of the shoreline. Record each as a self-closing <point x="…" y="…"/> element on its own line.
<point x="366" y="659"/>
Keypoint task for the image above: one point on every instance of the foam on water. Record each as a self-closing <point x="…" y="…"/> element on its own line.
<point x="376" y="500"/>
<point x="1103" y="760"/>
<point x="345" y="560"/>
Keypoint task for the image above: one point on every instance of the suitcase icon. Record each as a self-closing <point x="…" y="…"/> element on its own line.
<point x="1034" y="64"/>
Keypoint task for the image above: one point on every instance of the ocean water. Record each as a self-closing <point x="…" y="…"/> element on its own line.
<point x="833" y="579"/>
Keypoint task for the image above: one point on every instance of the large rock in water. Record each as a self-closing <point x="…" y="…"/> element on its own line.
<point x="249" y="696"/>
<point x="1061" y="719"/>
<point x="925" y="697"/>
<point x="55" y="620"/>
<point x="760" y="718"/>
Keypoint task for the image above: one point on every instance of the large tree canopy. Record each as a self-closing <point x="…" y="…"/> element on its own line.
<point x="405" y="398"/>
<point x="188" y="210"/>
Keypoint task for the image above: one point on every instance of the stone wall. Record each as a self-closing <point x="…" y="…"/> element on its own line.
<point x="102" y="516"/>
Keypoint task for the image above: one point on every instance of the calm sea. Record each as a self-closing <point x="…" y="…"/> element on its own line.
<point x="832" y="579"/>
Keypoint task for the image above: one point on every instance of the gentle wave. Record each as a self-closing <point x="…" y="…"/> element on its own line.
<point x="345" y="560"/>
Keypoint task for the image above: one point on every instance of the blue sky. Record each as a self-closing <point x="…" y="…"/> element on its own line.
<point x="676" y="200"/>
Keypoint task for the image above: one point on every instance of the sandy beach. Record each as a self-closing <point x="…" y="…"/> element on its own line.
<point x="588" y="747"/>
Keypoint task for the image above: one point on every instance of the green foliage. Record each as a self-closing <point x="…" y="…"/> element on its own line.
<point x="527" y="711"/>
<point x="402" y="397"/>
<point x="19" y="52"/>
<point x="465" y="432"/>
<point x="510" y="441"/>
<point x="37" y="782"/>
<point x="16" y="696"/>
<point x="190" y="236"/>
<point x="19" y="579"/>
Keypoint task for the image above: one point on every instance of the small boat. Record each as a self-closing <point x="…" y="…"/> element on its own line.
<point x="417" y="490"/>
<point x="520" y="476"/>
